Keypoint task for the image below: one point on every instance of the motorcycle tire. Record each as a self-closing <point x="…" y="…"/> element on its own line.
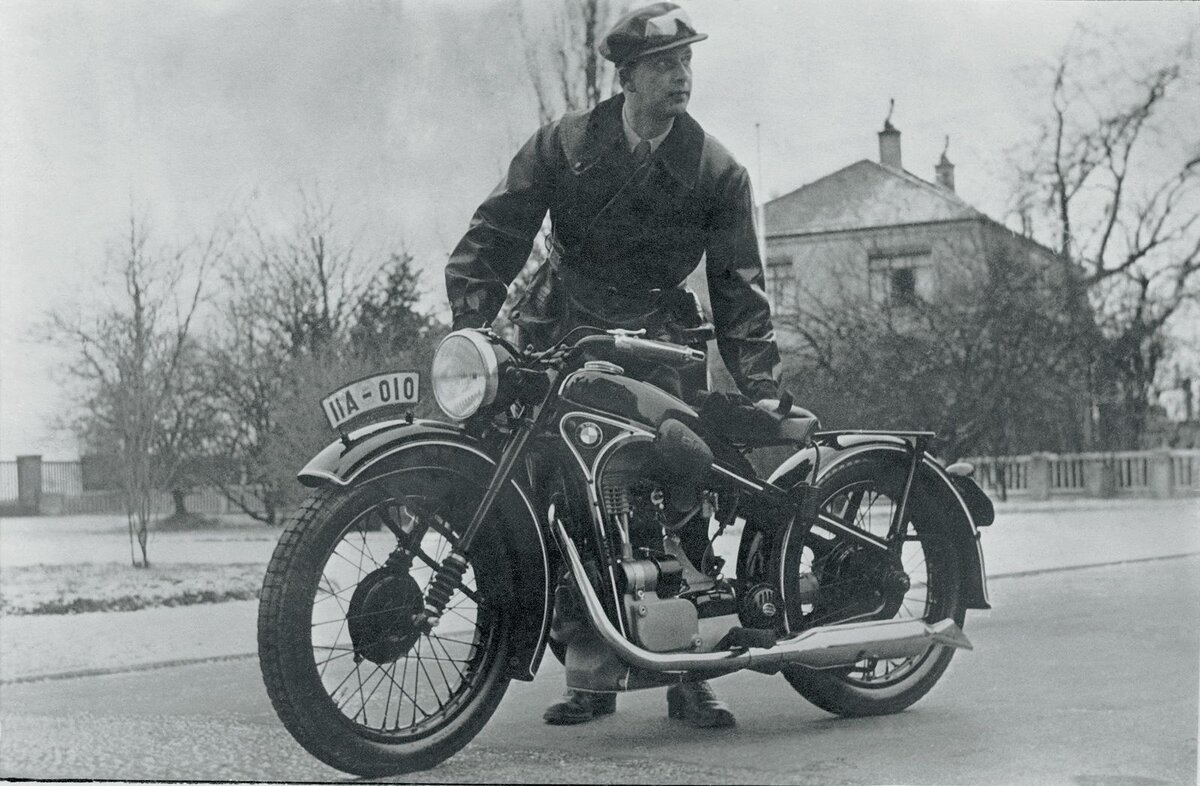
<point x="935" y="594"/>
<point x="355" y="681"/>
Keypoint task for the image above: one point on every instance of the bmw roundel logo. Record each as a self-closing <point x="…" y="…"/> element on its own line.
<point x="589" y="434"/>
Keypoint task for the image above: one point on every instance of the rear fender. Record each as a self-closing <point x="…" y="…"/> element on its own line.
<point x="934" y="482"/>
<point x="519" y="570"/>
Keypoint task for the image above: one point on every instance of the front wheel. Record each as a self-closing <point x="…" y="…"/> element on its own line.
<point x="351" y="672"/>
<point x="830" y="579"/>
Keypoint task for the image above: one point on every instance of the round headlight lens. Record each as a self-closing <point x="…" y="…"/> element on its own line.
<point x="465" y="374"/>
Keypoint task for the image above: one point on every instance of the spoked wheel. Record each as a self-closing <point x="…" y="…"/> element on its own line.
<point x="830" y="579"/>
<point x="354" y="671"/>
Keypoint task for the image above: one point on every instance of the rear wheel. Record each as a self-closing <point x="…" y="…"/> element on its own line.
<point x="351" y="671"/>
<point x="831" y="579"/>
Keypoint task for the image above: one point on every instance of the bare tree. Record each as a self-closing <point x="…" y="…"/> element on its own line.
<point x="245" y="362"/>
<point x="305" y="311"/>
<point x="191" y="424"/>
<point x="995" y="362"/>
<point x="563" y="58"/>
<point x="132" y="369"/>
<point x="288" y="295"/>
<point x="1114" y="178"/>
<point x="307" y="283"/>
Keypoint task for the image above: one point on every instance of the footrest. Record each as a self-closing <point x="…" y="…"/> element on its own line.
<point x="745" y="638"/>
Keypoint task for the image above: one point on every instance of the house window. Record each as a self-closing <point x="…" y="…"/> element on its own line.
<point x="781" y="285"/>
<point x="899" y="280"/>
<point x="904" y="285"/>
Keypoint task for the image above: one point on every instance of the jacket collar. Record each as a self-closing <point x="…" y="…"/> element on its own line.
<point x="602" y="130"/>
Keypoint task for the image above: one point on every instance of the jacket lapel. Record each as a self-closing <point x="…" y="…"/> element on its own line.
<point x="681" y="151"/>
<point x="589" y="136"/>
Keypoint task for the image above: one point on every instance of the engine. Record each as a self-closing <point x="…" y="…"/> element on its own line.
<point x="669" y="602"/>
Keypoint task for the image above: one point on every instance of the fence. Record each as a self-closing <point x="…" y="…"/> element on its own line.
<point x="8" y="481"/>
<point x="205" y="501"/>
<point x="30" y="486"/>
<point x="62" y="477"/>
<point x="1157" y="473"/>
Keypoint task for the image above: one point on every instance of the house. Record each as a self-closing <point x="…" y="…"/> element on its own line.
<point x="873" y="229"/>
<point x="873" y="245"/>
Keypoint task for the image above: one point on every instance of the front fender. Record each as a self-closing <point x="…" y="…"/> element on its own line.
<point x="376" y="448"/>
<point x="340" y="462"/>
<point x="828" y="454"/>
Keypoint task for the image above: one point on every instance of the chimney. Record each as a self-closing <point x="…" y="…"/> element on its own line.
<point x="945" y="170"/>
<point x="889" y="141"/>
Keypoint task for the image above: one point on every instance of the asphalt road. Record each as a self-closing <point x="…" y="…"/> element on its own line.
<point x="1082" y="677"/>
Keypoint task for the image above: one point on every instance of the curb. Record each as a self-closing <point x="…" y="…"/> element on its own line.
<point x="106" y="670"/>
<point x="1065" y="568"/>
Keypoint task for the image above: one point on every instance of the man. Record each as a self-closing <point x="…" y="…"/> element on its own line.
<point x="637" y="195"/>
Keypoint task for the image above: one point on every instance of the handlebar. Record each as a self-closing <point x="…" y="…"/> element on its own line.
<point x="641" y="348"/>
<point x="658" y="351"/>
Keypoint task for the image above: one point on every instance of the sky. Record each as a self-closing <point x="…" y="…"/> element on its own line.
<point x="403" y="114"/>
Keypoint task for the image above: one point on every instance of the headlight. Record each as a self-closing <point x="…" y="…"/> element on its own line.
<point x="466" y="373"/>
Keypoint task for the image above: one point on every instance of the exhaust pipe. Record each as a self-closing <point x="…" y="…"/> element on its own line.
<point x="818" y="648"/>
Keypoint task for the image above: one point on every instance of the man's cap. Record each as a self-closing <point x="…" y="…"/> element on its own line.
<point x="642" y="32"/>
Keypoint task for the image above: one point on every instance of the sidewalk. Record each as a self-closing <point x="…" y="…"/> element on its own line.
<point x="1041" y="536"/>
<point x="54" y="645"/>
<point x="1026" y="537"/>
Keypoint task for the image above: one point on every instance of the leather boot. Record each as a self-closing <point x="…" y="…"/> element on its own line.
<point x="580" y="707"/>
<point x="696" y="703"/>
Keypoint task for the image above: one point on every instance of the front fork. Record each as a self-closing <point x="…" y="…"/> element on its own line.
<point x="450" y="573"/>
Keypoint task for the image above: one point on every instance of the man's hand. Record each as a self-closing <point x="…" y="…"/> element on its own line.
<point x="782" y="406"/>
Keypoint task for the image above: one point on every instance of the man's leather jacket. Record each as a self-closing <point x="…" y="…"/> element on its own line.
<point x="625" y="238"/>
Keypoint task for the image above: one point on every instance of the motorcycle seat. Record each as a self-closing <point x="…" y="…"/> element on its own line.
<point x="795" y="424"/>
<point x="762" y="423"/>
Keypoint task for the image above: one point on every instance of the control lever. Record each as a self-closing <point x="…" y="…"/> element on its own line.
<point x="658" y="351"/>
<point x="696" y="335"/>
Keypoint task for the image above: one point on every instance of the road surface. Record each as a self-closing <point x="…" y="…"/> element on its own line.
<point x="1084" y="677"/>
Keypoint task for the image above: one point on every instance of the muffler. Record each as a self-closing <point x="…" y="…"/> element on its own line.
<point x="818" y="648"/>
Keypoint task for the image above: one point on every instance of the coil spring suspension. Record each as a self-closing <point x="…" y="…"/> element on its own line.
<point x="616" y="499"/>
<point x="441" y="588"/>
<point x="615" y="496"/>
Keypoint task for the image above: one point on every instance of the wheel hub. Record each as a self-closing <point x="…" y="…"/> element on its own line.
<point x="383" y="615"/>
<point x="857" y="581"/>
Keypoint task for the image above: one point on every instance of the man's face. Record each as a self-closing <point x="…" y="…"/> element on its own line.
<point x="663" y="82"/>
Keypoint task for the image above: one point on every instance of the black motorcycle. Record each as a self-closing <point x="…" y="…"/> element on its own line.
<point x="421" y="575"/>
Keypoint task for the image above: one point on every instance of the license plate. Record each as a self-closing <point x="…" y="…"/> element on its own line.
<point x="369" y="394"/>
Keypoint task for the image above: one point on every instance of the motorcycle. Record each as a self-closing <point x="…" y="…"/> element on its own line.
<point x="421" y="575"/>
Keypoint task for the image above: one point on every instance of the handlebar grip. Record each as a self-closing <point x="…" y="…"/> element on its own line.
<point x="658" y="351"/>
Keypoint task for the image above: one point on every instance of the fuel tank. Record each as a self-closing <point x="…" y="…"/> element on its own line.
<point x="613" y="393"/>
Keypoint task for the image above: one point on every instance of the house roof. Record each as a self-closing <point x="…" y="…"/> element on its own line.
<point x="864" y="194"/>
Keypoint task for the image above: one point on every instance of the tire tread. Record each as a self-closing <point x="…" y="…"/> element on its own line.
<point x="324" y="737"/>
<point x="830" y="693"/>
